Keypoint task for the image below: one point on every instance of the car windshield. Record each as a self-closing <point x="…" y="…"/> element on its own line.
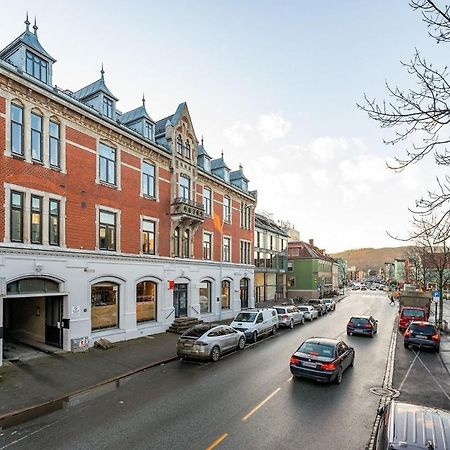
<point x="245" y="317"/>
<point x="358" y="321"/>
<point x="413" y="312"/>
<point x="280" y="310"/>
<point x="197" y="331"/>
<point x="303" y="308"/>
<point x="422" y="328"/>
<point x="317" y="349"/>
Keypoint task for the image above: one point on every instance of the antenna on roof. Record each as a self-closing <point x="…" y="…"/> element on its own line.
<point x="35" y="27"/>
<point x="27" y="23"/>
<point x="102" y="72"/>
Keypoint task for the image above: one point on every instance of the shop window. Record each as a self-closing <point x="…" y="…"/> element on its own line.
<point x="226" y="294"/>
<point x="146" y="296"/>
<point x="205" y="297"/>
<point x="104" y="306"/>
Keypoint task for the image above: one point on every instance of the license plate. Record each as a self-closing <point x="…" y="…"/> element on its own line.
<point x="358" y="330"/>
<point x="421" y="337"/>
<point x="188" y="344"/>
<point x="309" y="364"/>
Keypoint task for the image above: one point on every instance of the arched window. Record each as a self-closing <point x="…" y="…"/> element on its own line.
<point x="176" y="241"/>
<point x="179" y="144"/>
<point x="32" y="285"/>
<point x="204" y="293"/>
<point x="226" y="294"/>
<point x="146" y="301"/>
<point x="187" y="149"/>
<point x="186" y="243"/>
<point x="104" y="306"/>
<point x="244" y="292"/>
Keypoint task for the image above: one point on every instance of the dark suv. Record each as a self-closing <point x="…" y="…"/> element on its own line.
<point x="422" y="334"/>
<point x="318" y="304"/>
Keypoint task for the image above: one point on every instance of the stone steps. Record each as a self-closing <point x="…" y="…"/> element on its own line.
<point x="182" y="324"/>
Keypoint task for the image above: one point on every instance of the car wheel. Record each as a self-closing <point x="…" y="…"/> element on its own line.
<point x="405" y="344"/>
<point x="215" y="354"/>
<point x="348" y="333"/>
<point x="241" y="343"/>
<point x="274" y="329"/>
<point x="291" y="324"/>
<point x="303" y="321"/>
<point x="255" y="336"/>
<point x="338" y="379"/>
<point x="372" y="334"/>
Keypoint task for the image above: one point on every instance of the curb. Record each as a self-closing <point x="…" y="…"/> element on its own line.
<point x="30" y="409"/>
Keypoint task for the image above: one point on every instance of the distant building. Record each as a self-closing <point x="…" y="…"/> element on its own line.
<point x="399" y="270"/>
<point x="288" y="227"/>
<point x="270" y="259"/>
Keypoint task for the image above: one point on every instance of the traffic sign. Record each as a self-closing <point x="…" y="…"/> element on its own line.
<point x="436" y="295"/>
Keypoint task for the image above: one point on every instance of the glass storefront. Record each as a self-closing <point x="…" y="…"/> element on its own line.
<point x="205" y="297"/>
<point x="146" y="296"/>
<point x="104" y="306"/>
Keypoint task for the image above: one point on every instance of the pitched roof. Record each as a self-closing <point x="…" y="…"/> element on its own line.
<point x="30" y="40"/>
<point x="268" y="224"/>
<point x="238" y="174"/>
<point x="93" y="88"/>
<point x="310" y="251"/>
<point x="218" y="163"/>
<point x="201" y="151"/>
<point x="135" y="114"/>
<point x="160" y="126"/>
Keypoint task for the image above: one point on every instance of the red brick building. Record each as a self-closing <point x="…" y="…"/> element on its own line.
<point x="111" y="224"/>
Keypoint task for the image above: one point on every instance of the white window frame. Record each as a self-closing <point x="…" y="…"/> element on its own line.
<point x="117" y="212"/>
<point x="117" y="185"/>
<point x="223" y="248"/>
<point x="227" y="218"/>
<point x="211" y="235"/>
<point x="151" y="219"/>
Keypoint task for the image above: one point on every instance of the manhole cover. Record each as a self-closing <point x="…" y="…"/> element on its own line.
<point x="385" y="392"/>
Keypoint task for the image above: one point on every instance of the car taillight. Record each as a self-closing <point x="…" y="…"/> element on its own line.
<point x="367" y="325"/>
<point x="285" y="316"/>
<point x="350" y="324"/>
<point x="201" y="344"/>
<point x="436" y="337"/>
<point x="407" y="334"/>
<point x="328" y="366"/>
<point x="294" y="360"/>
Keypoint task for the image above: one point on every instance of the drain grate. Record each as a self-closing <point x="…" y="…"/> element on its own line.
<point x="385" y="392"/>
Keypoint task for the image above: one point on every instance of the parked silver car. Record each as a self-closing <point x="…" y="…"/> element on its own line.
<point x="288" y="316"/>
<point x="330" y="304"/>
<point x="209" y="341"/>
<point x="309" y="313"/>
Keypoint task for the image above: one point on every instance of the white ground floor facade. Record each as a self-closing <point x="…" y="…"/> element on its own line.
<point x="69" y="299"/>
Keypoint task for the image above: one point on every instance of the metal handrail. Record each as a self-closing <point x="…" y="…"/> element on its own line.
<point x="171" y="312"/>
<point x="188" y="201"/>
<point x="195" y="310"/>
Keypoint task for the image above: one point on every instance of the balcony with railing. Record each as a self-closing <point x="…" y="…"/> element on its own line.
<point x="185" y="209"/>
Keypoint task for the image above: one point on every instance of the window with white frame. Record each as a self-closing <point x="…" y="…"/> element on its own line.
<point x="33" y="217"/>
<point x="36" y="137"/>
<point x="54" y="143"/>
<point x="179" y="144"/>
<point x="184" y="187"/>
<point x="148" y="236"/>
<point x="17" y="147"/>
<point x="245" y="252"/>
<point x="207" y="245"/>
<point x="187" y="149"/>
<point x="227" y="209"/>
<point x="107" y="164"/>
<point x="207" y="196"/>
<point x="245" y="216"/>
<point x="226" y="250"/>
<point x="148" y="179"/>
<point x="205" y="296"/>
<point x="146" y="301"/>
<point x="36" y="67"/>
<point x="107" y="230"/>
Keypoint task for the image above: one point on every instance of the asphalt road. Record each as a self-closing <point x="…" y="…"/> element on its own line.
<point x="247" y="400"/>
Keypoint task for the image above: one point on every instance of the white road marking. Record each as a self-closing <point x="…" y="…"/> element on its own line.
<point x="290" y="378"/>
<point x="261" y="404"/>
<point x="408" y="371"/>
<point x="28" y="435"/>
<point x="432" y="376"/>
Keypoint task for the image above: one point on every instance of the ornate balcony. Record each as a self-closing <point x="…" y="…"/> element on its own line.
<point x="183" y="209"/>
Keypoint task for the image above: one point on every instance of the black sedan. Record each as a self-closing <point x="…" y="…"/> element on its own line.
<point x="365" y="325"/>
<point x="322" y="359"/>
<point x="422" y="334"/>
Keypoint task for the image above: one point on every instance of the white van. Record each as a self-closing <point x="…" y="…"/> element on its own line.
<point x="256" y="322"/>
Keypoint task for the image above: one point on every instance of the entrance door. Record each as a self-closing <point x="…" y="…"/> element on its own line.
<point x="180" y="299"/>
<point x="53" y="321"/>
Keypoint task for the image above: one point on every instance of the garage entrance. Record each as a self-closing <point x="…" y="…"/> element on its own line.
<point x="32" y="314"/>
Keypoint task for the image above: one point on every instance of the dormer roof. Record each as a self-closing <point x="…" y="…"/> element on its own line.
<point x="30" y="40"/>
<point x="201" y="151"/>
<point x="238" y="175"/>
<point x="94" y="88"/>
<point x="135" y="115"/>
<point x="219" y="163"/>
<point x="160" y="126"/>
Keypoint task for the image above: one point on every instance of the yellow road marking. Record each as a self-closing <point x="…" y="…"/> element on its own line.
<point x="261" y="404"/>
<point x="217" y="441"/>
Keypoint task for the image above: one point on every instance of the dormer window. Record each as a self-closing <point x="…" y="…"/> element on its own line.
<point x="226" y="176"/>
<point x="107" y="107"/>
<point x="207" y="164"/>
<point x="179" y="145"/>
<point x="187" y="150"/>
<point x="148" y="131"/>
<point x="36" y="67"/>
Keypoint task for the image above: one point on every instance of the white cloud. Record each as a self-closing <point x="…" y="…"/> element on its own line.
<point x="324" y="149"/>
<point x="272" y="126"/>
<point x="238" y="133"/>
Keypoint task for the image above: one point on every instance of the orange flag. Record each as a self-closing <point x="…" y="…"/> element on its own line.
<point x="217" y="222"/>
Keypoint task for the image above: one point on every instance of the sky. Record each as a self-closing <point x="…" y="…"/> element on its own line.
<point x="272" y="84"/>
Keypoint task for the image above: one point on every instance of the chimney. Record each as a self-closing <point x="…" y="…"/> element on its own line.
<point x="311" y="242"/>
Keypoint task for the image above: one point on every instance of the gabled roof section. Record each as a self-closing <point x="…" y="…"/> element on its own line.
<point x="238" y="175"/>
<point x="28" y="39"/>
<point x="201" y="151"/>
<point x="219" y="163"/>
<point x="310" y="251"/>
<point x="94" y="88"/>
<point x="265" y="223"/>
<point x="135" y="115"/>
<point x="160" y="126"/>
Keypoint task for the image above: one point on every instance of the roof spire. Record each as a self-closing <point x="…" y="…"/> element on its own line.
<point x="143" y="100"/>
<point x="202" y="140"/>
<point x="102" y="72"/>
<point x="221" y="153"/>
<point x="35" y="27"/>
<point x="27" y="23"/>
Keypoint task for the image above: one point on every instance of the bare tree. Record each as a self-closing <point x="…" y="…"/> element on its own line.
<point x="435" y="259"/>
<point x="420" y="117"/>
